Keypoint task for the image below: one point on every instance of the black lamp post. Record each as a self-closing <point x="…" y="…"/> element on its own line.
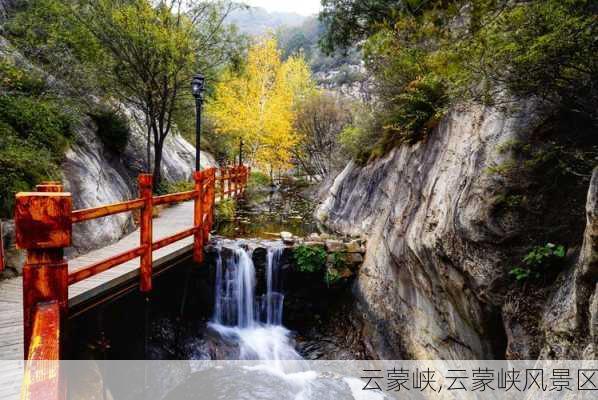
<point x="197" y="88"/>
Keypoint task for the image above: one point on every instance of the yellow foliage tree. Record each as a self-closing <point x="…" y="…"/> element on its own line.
<point x="258" y="104"/>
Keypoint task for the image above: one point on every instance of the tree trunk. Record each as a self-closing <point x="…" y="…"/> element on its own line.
<point x="158" y="146"/>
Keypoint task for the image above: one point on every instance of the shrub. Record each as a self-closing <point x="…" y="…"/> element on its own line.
<point x="538" y="261"/>
<point x="34" y="133"/>
<point x="258" y="179"/>
<point x="310" y="258"/>
<point x="225" y="210"/>
<point x="174" y="187"/>
<point x="113" y="129"/>
<point x="332" y="276"/>
<point x="417" y="110"/>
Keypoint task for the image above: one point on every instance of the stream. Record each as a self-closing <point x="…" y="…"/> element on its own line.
<point x="247" y="301"/>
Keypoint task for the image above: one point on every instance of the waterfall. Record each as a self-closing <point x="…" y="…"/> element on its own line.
<point x="236" y="303"/>
<point x="272" y="301"/>
<point x="254" y="321"/>
<point x="235" y="283"/>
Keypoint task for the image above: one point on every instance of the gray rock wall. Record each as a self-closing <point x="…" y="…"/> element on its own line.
<point x="570" y="320"/>
<point x="429" y="284"/>
<point x="96" y="176"/>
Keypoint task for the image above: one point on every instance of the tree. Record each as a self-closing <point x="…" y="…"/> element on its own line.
<point x="320" y="119"/>
<point x="154" y="50"/>
<point x="257" y="104"/>
<point x="143" y="52"/>
<point x="350" y="21"/>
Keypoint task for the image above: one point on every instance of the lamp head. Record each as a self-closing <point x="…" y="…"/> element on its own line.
<point x="197" y="86"/>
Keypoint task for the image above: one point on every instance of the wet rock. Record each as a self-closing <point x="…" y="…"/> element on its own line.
<point x="286" y="235"/>
<point x="354" y="258"/>
<point x="333" y="245"/>
<point x="314" y="237"/>
<point x="354" y="246"/>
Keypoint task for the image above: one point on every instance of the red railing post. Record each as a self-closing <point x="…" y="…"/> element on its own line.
<point x="44" y="228"/>
<point x="213" y="198"/>
<point x="206" y="205"/>
<point x="198" y="218"/>
<point x="146" y="232"/>
<point x="222" y="183"/>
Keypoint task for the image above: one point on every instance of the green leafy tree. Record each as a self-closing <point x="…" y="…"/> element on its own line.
<point x="142" y="52"/>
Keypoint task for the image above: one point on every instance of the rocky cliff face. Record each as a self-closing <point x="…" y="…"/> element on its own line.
<point x="570" y="321"/>
<point x="432" y="283"/>
<point x="95" y="175"/>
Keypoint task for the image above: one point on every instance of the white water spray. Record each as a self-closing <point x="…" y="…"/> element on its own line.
<point x="256" y="322"/>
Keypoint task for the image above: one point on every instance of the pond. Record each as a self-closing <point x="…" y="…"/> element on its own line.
<point x="266" y="211"/>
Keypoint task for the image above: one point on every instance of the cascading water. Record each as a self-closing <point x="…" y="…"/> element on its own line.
<point x="254" y="321"/>
<point x="272" y="301"/>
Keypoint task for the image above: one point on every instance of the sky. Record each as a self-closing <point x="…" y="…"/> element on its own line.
<point x="303" y="7"/>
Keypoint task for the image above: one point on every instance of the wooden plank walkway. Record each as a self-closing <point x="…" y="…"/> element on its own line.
<point x="170" y="221"/>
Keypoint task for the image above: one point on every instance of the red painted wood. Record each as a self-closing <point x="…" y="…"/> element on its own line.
<point x="146" y="232"/>
<point x="43" y="228"/>
<point x="45" y="278"/>
<point x="43" y="220"/>
<point x="42" y="378"/>
<point x="104" y="211"/>
<point x="173" y="238"/>
<point x="174" y="198"/>
<point x="104" y="265"/>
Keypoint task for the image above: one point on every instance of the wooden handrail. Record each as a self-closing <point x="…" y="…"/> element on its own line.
<point x="104" y="265"/>
<point x="43" y="222"/>
<point x="174" y="197"/>
<point x="173" y="238"/>
<point x="104" y="211"/>
<point x="42" y="378"/>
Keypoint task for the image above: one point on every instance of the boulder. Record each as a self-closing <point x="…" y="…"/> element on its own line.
<point x="354" y="246"/>
<point x="333" y="245"/>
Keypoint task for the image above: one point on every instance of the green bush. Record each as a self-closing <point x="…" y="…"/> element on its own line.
<point x="258" y="179"/>
<point x="538" y="261"/>
<point x="332" y="277"/>
<point x="113" y="129"/>
<point x="225" y="210"/>
<point x="174" y="187"/>
<point x="310" y="258"/>
<point x="34" y="133"/>
<point x="417" y="110"/>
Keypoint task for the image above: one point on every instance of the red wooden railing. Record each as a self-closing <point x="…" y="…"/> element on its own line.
<point x="43" y="222"/>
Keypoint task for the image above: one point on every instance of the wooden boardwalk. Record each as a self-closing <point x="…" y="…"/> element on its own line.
<point x="170" y="221"/>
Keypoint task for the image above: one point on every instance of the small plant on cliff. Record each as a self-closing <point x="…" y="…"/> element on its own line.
<point x="332" y="276"/>
<point x="538" y="261"/>
<point x="310" y="258"/>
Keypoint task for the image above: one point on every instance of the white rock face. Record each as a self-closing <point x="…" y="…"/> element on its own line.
<point x="427" y="285"/>
<point x="97" y="176"/>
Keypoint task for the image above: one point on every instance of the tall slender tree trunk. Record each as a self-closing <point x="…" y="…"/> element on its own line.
<point x="158" y="146"/>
